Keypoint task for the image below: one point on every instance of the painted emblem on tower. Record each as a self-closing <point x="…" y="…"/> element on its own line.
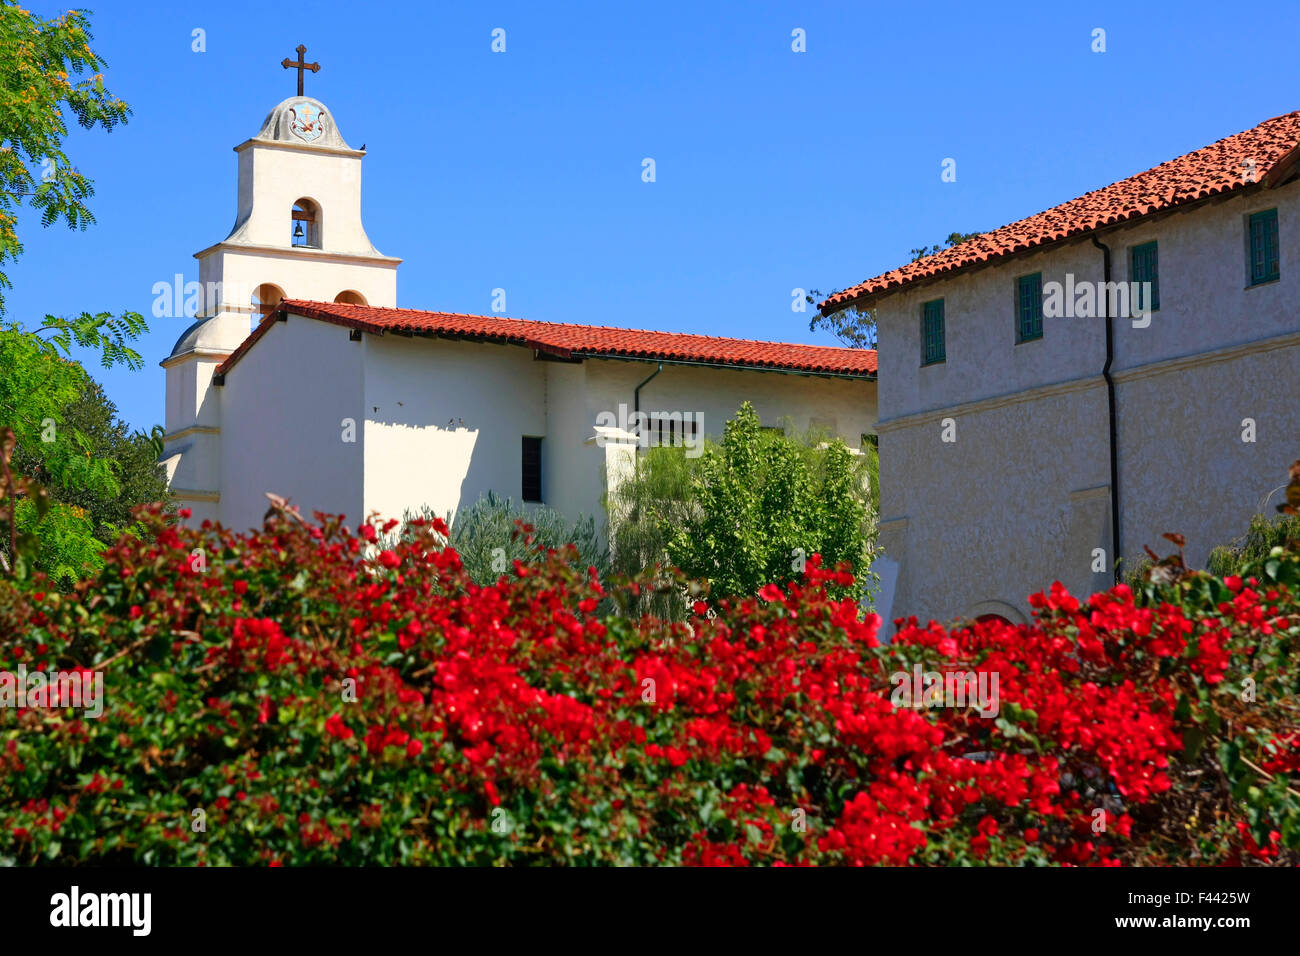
<point x="308" y="122"/>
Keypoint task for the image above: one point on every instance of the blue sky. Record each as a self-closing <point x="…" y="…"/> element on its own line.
<point x="522" y="170"/>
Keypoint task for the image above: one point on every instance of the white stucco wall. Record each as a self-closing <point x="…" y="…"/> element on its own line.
<point x="712" y="395"/>
<point x="573" y="473"/>
<point x="282" y="408"/>
<point x="502" y="393"/>
<point x="1021" y="497"/>
<point x="273" y="176"/>
<point x="299" y="273"/>
<point x="716" y="394"/>
<point x="413" y="457"/>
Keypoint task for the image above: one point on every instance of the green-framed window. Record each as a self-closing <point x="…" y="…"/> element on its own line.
<point x="1263" y="252"/>
<point x="1144" y="267"/>
<point x="932" y="346"/>
<point x="1029" y="307"/>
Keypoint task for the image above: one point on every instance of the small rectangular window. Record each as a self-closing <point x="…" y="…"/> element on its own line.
<point x="932" y="345"/>
<point x="532" y="470"/>
<point x="823" y="426"/>
<point x="1143" y="268"/>
<point x="667" y="432"/>
<point x="1029" y="307"/>
<point x="1263" y="252"/>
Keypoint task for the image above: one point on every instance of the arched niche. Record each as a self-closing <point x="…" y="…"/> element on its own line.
<point x="305" y="224"/>
<point x="266" y="299"/>
<point x="994" y="610"/>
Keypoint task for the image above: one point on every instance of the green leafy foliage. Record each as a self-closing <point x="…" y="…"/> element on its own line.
<point x="644" y="512"/>
<point x="871" y="452"/>
<point x="954" y="239"/>
<point x="301" y="699"/>
<point x="855" y="327"/>
<point x="66" y="442"/>
<point x="1263" y="535"/>
<point x="46" y="68"/>
<point x="766" y="502"/>
<point x="132" y="458"/>
<point x="68" y="549"/>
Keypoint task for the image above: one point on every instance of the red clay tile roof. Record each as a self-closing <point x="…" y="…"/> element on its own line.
<point x="578" y="341"/>
<point x="1273" y="146"/>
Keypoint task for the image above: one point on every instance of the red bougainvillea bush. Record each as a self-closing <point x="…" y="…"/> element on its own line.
<point x="299" y="696"/>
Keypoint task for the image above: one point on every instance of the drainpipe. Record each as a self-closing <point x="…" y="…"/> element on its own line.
<point x="1110" y="411"/>
<point x="636" y="398"/>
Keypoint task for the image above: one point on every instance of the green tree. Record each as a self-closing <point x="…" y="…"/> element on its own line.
<point x="954" y="239"/>
<point x="766" y="503"/>
<point x="132" y="458"/>
<point x="643" y="512"/>
<point x="41" y="395"/>
<point x="856" y="327"/>
<point x="46" y="67"/>
<point x="48" y="72"/>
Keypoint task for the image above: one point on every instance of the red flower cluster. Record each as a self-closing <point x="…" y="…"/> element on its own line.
<point x="364" y="705"/>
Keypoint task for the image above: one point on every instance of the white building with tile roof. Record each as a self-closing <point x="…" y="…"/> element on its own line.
<point x="345" y="404"/>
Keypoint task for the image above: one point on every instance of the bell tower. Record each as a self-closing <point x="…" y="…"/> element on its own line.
<point x="297" y="235"/>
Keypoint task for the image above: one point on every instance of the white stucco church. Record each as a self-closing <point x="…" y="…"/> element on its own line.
<point x="302" y="377"/>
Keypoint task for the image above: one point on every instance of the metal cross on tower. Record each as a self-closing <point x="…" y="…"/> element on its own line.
<point x="300" y="64"/>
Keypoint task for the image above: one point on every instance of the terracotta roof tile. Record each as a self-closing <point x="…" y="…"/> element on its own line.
<point x="565" y="341"/>
<point x="1273" y="146"/>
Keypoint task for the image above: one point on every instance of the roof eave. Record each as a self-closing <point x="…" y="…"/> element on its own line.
<point x="1275" y="177"/>
<point x="323" y="316"/>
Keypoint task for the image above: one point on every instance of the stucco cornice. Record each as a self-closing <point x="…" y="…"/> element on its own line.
<point x="298" y="148"/>
<point x="301" y="253"/>
<point x="196" y="494"/>
<point x="1134" y="374"/>
<point x="1228" y="354"/>
<point x="192" y="430"/>
<point x="1089" y="494"/>
<point x="193" y="355"/>
<point x="934" y="416"/>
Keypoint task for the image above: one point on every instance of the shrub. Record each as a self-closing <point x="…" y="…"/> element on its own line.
<point x="766" y="502"/>
<point x="494" y="532"/>
<point x="323" y="701"/>
<point x="1263" y="535"/>
<point x="747" y="512"/>
<point x="644" y="512"/>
